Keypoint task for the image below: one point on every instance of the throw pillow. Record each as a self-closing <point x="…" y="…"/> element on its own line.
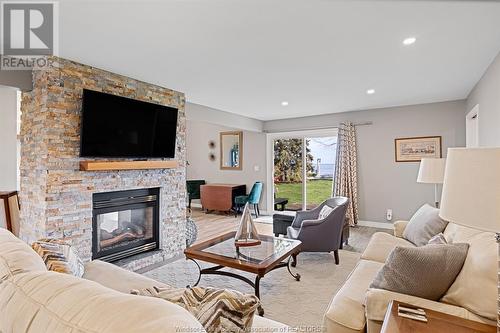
<point x="425" y="272"/>
<point x="424" y="225"/>
<point x="218" y="310"/>
<point x="59" y="256"/>
<point x="324" y="212"/>
<point x="438" y="239"/>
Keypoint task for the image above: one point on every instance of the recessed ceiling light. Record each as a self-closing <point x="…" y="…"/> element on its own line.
<point x="409" y="40"/>
<point x="370" y="91"/>
<point x="284" y="103"/>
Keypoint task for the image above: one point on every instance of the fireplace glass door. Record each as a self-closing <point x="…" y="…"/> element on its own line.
<point x="125" y="223"/>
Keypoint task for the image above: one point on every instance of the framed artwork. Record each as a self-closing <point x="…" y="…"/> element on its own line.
<point x="414" y="149"/>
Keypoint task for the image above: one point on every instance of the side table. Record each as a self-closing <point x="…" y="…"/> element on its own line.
<point x="436" y="322"/>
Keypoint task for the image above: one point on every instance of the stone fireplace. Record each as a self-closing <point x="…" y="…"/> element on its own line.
<point x="58" y="199"/>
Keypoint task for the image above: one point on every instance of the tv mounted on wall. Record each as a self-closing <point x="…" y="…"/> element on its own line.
<point x="114" y="126"/>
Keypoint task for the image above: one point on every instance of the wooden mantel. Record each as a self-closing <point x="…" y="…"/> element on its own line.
<point x="126" y="165"/>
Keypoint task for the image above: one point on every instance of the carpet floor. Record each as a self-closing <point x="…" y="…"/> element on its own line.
<point x="295" y="303"/>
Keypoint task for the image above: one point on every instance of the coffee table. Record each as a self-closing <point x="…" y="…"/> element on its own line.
<point x="271" y="254"/>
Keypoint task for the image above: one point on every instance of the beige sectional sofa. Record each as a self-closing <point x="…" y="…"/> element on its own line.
<point x="33" y="299"/>
<point x="473" y="295"/>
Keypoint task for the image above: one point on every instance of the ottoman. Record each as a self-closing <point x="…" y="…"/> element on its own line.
<point x="280" y="223"/>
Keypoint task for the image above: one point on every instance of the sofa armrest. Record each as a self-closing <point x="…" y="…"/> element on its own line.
<point x="377" y="301"/>
<point x="399" y="228"/>
<point x="117" y="278"/>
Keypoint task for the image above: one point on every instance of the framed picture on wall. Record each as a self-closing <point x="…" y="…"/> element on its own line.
<point x="414" y="149"/>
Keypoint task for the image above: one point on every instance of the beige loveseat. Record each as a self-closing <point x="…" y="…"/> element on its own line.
<point x="473" y="295"/>
<point x="35" y="300"/>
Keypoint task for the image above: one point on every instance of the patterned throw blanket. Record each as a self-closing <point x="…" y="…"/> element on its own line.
<point x="218" y="310"/>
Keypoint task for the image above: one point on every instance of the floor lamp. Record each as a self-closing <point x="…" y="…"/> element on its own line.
<point x="432" y="172"/>
<point x="471" y="190"/>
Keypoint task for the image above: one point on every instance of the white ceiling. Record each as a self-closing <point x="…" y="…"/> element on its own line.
<point x="247" y="56"/>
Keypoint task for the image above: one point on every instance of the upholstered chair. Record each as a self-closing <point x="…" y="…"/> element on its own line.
<point x="253" y="199"/>
<point x="320" y="235"/>
<point x="193" y="189"/>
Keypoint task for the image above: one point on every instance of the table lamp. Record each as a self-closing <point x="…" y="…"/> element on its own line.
<point x="471" y="189"/>
<point x="432" y="172"/>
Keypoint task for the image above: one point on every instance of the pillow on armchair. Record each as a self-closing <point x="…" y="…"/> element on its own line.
<point x="424" y="225"/>
<point x="325" y="211"/>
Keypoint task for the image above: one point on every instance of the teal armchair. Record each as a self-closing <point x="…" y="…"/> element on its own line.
<point x="253" y="199"/>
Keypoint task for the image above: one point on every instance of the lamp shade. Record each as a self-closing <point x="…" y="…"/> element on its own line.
<point x="431" y="170"/>
<point x="471" y="189"/>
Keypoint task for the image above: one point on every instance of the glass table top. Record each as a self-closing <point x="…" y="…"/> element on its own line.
<point x="270" y="247"/>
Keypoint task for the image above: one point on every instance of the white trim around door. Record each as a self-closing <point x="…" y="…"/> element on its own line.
<point x="270" y="137"/>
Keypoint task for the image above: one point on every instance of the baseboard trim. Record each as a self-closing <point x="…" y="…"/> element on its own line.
<point x="363" y="223"/>
<point x="374" y="224"/>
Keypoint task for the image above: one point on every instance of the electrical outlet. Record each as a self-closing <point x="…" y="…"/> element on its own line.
<point x="389" y="215"/>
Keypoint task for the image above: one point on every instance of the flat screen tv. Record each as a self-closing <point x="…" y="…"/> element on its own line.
<point x="114" y="126"/>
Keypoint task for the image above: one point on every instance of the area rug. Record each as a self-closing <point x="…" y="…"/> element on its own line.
<point x="295" y="303"/>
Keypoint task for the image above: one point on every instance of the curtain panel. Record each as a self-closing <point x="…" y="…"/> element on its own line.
<point x="346" y="176"/>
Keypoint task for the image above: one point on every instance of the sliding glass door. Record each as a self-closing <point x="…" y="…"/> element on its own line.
<point x="288" y="173"/>
<point x="321" y="167"/>
<point x="303" y="169"/>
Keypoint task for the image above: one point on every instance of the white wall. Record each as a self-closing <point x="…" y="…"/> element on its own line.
<point x="199" y="133"/>
<point x="203" y="125"/>
<point x="486" y="93"/>
<point x="210" y="115"/>
<point x="383" y="183"/>
<point x="8" y="139"/>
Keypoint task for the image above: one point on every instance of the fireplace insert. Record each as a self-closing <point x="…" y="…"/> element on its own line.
<point x="125" y="223"/>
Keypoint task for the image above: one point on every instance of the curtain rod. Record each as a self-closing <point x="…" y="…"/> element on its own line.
<point x="365" y="123"/>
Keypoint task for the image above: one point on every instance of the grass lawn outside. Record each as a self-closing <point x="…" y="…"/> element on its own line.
<point x="318" y="190"/>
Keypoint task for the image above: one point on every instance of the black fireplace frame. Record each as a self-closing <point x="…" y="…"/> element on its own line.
<point x="124" y="200"/>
